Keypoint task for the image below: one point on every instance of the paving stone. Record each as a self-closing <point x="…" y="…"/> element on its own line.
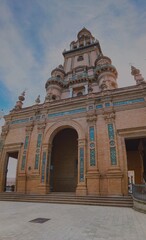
<point x="70" y="222"/>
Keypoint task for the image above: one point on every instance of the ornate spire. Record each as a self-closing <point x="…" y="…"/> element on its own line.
<point x="137" y="75"/>
<point x="37" y="101"/>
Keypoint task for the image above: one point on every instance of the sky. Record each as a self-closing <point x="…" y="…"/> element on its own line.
<point x="34" y="33"/>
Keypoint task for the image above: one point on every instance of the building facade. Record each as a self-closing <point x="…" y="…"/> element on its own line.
<point x="88" y="137"/>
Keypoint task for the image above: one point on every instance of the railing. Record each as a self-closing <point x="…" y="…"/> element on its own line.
<point x="139" y="191"/>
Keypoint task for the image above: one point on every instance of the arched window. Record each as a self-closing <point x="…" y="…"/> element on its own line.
<point x="53" y="97"/>
<point x="79" y="94"/>
<point x="80" y="58"/>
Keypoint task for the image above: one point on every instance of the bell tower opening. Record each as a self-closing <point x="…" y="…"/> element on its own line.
<point x="64" y="161"/>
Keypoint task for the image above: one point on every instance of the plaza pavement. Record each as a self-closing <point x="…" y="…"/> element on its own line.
<point x="70" y="222"/>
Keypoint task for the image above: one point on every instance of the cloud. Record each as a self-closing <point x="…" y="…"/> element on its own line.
<point x="33" y="37"/>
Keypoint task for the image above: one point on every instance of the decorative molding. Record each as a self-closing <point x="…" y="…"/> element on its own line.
<point x="74" y="111"/>
<point x="19" y="121"/>
<point x="135" y="132"/>
<point x="130" y="101"/>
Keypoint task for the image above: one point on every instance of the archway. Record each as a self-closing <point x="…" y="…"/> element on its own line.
<point x="11" y="172"/>
<point x="64" y="161"/>
<point x="136" y="161"/>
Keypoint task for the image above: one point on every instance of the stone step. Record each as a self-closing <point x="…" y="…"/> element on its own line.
<point x="125" y="201"/>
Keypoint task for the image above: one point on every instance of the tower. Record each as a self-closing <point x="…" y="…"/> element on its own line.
<point x="85" y="70"/>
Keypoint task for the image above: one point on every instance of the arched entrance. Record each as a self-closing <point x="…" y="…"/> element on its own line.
<point x="136" y="161"/>
<point x="64" y="161"/>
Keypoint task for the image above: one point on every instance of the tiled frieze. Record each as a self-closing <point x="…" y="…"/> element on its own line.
<point x="131" y="101"/>
<point x="37" y="156"/>
<point x="74" y="111"/>
<point x="120" y="103"/>
<point x="99" y="106"/>
<point x="43" y="167"/>
<point x="111" y="135"/>
<point x="79" y="110"/>
<point x="23" y="162"/>
<point x="26" y="142"/>
<point x="91" y="134"/>
<point x="92" y="145"/>
<point x="91" y="119"/>
<point x="81" y="164"/>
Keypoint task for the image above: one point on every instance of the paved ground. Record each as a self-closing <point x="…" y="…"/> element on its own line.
<point x="70" y="222"/>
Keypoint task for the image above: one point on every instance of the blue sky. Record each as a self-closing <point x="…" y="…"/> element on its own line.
<point x="34" y="33"/>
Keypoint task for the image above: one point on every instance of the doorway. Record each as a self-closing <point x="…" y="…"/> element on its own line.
<point x="11" y="172"/>
<point x="136" y="160"/>
<point x="64" y="161"/>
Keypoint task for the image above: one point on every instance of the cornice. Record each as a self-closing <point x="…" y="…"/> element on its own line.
<point x="79" y="49"/>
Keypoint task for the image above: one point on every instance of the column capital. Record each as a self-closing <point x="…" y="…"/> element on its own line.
<point x="109" y="117"/>
<point x="91" y="117"/>
<point x="41" y="126"/>
<point x="29" y="128"/>
<point x="82" y="142"/>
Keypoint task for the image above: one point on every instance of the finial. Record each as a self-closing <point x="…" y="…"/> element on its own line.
<point x="19" y="103"/>
<point x="37" y="101"/>
<point x="137" y="75"/>
<point x="22" y="96"/>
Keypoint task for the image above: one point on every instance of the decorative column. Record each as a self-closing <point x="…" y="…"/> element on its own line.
<point x="22" y="175"/>
<point x="81" y="189"/>
<point x="114" y="174"/>
<point x="43" y="187"/>
<point x="92" y="164"/>
<point x="48" y="168"/>
<point x="86" y="89"/>
<point x="41" y="128"/>
<point x="71" y="92"/>
<point x="5" y="130"/>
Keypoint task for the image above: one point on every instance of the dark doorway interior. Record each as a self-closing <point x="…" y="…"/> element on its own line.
<point x="10" y="173"/>
<point x="136" y="158"/>
<point x="63" y="173"/>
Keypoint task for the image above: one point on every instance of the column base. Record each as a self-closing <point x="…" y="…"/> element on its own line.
<point x="114" y="181"/>
<point x="93" y="183"/>
<point x="21" y="184"/>
<point x="44" y="189"/>
<point x="81" y="190"/>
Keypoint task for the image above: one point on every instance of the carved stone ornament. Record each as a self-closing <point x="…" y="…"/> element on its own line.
<point x="5" y="130"/>
<point x="29" y="127"/>
<point x="109" y="116"/>
<point x="91" y="117"/>
<point x="41" y="126"/>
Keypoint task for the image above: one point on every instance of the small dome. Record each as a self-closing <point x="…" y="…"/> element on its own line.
<point x="102" y="60"/>
<point x="58" y="70"/>
<point x="84" y="32"/>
